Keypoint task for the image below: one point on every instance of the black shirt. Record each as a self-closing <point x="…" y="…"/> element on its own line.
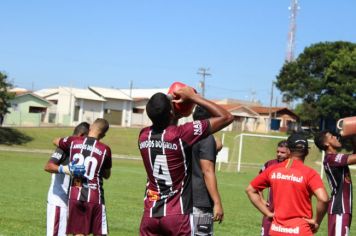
<point x="204" y="149"/>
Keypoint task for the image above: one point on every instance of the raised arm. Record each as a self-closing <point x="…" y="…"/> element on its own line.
<point x="351" y="160"/>
<point x="220" y="117"/>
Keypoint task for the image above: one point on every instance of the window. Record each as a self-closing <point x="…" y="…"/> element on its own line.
<point x="138" y="110"/>
<point x="76" y="113"/>
<point x="36" y="109"/>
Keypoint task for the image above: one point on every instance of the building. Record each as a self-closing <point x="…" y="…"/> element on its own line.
<point x="281" y="118"/>
<point x="27" y="109"/>
<point x="118" y="105"/>
<point x="140" y="99"/>
<point x="72" y="105"/>
<point x="245" y="119"/>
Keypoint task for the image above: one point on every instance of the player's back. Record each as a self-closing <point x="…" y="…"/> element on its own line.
<point x="293" y="184"/>
<point x="292" y="189"/>
<point x="167" y="159"/>
<point x="96" y="157"/>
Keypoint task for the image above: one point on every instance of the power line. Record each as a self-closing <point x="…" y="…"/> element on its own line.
<point x="237" y="90"/>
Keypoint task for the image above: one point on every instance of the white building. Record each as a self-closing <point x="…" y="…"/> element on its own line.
<point x="73" y="105"/>
<point x="124" y="107"/>
<point x="140" y="98"/>
<point x="117" y="107"/>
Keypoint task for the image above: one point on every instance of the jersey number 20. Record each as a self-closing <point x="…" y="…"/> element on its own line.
<point x="89" y="162"/>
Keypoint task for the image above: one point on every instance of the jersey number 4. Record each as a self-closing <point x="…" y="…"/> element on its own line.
<point x="161" y="171"/>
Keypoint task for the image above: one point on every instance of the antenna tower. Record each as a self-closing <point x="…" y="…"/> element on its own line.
<point x="293" y="8"/>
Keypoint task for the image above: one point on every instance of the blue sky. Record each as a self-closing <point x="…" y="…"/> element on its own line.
<point x="154" y="43"/>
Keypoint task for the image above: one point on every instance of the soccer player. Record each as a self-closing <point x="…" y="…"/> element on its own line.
<point x="281" y="154"/>
<point x="207" y="206"/>
<point x="339" y="178"/>
<point x="166" y="152"/>
<point x="293" y="185"/>
<point x="58" y="191"/>
<point x="86" y="206"/>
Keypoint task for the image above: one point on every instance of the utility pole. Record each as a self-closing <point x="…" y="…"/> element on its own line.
<point x="204" y="73"/>
<point x="131" y="86"/>
<point x="270" y="108"/>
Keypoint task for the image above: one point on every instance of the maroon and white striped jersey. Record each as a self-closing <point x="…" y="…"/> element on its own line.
<point x="96" y="157"/>
<point x="167" y="159"/>
<point x="270" y="193"/>
<point x="58" y="190"/>
<point x="339" y="179"/>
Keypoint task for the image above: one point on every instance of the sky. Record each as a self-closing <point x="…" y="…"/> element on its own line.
<point x="151" y="44"/>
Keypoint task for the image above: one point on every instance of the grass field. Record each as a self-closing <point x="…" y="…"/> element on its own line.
<point x="24" y="187"/>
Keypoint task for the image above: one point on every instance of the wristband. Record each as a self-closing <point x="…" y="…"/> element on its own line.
<point x="64" y="170"/>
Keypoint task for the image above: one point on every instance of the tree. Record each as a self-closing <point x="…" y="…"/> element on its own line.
<point x="323" y="78"/>
<point x="5" y="96"/>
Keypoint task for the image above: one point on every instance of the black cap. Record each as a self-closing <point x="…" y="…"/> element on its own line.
<point x="297" y="141"/>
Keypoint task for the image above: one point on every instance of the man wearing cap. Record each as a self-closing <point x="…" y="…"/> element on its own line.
<point x="293" y="185"/>
<point x="337" y="170"/>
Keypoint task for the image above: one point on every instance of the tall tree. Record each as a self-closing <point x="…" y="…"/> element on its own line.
<point x="5" y="96"/>
<point x="323" y="78"/>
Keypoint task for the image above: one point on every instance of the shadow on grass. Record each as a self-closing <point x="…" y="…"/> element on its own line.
<point x="9" y="136"/>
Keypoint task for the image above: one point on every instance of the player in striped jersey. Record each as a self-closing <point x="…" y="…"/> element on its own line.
<point x="58" y="191"/>
<point x="86" y="195"/>
<point x="166" y="152"/>
<point x="337" y="170"/>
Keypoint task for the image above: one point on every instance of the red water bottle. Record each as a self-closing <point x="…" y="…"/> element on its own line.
<point x="185" y="108"/>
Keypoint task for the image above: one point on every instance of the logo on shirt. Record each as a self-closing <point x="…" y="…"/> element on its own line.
<point x="291" y="177"/>
<point x="278" y="228"/>
<point x="338" y="158"/>
<point x="56" y="155"/>
<point x="198" y="130"/>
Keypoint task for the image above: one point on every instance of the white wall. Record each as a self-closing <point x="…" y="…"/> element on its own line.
<point x="91" y="110"/>
<point x="65" y="105"/>
<point x="121" y="105"/>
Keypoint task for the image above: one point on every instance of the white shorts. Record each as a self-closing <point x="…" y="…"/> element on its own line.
<point x="56" y="220"/>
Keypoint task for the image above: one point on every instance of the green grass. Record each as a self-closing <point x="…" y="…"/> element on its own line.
<point x="24" y="184"/>
<point x="24" y="189"/>
<point x="121" y="140"/>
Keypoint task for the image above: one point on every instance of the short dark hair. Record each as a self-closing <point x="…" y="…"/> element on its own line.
<point x="319" y="140"/>
<point x="102" y="125"/>
<point x="282" y="143"/>
<point x="81" y="129"/>
<point x="200" y="113"/>
<point x="159" y="109"/>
